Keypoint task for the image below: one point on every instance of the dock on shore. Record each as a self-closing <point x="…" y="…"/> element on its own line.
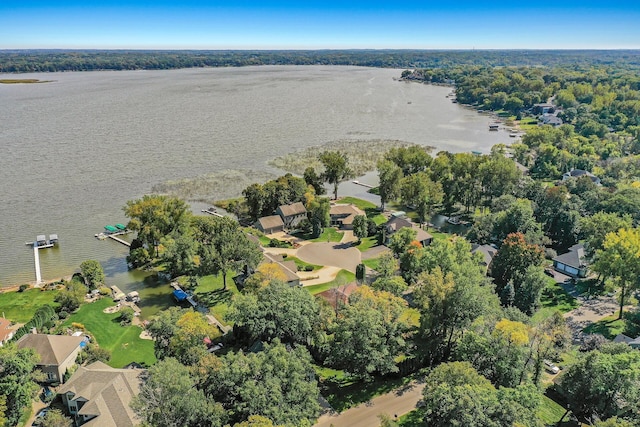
<point x="363" y="184"/>
<point x="207" y="211"/>
<point x="36" y="256"/>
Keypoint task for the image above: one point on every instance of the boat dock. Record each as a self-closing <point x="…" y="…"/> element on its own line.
<point x="36" y="256"/>
<point x="363" y="184"/>
<point x="212" y="211"/>
<point x="41" y="243"/>
<point x="113" y="236"/>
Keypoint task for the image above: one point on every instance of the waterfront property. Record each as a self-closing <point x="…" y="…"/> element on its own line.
<point x="342" y="215"/>
<point x="396" y="223"/>
<point x="57" y="353"/>
<point x="292" y="214"/>
<point x="270" y="224"/>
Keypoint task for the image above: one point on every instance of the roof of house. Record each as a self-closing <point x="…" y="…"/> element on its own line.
<point x="396" y="223"/>
<point x="573" y="258"/>
<point x="272" y="221"/>
<point x="108" y="392"/>
<point x="53" y="349"/>
<point x="341" y="293"/>
<point x="345" y="210"/>
<point x="293" y="209"/>
<point x="5" y="329"/>
<point x="487" y="251"/>
<point x="289" y="268"/>
<point x="627" y="340"/>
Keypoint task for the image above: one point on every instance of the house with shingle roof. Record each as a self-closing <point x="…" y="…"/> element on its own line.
<point x="292" y="214"/>
<point x="631" y="342"/>
<point x="57" y="353"/>
<point x="577" y="173"/>
<point x="342" y="215"/>
<point x="270" y="224"/>
<point x="396" y="223"/>
<point x="98" y="395"/>
<point x="572" y="263"/>
<point x="288" y="268"/>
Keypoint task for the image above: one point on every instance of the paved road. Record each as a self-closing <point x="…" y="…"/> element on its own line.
<point x="332" y="254"/>
<point x="397" y="402"/>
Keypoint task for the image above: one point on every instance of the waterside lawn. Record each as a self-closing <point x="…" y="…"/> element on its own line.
<point x="344" y="277"/>
<point x="20" y="307"/>
<point x="124" y="343"/>
<point x="210" y="292"/>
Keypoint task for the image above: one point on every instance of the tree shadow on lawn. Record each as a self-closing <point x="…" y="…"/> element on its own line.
<point x="348" y="392"/>
<point x="217" y="297"/>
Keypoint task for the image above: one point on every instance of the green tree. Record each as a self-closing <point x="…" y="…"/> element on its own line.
<point x="456" y="395"/>
<point x="179" y="255"/>
<point x="278" y="383"/>
<point x="224" y="248"/>
<point x="604" y="383"/>
<point x="55" y="418"/>
<point x="336" y="169"/>
<point x="595" y="228"/>
<point x="420" y="191"/>
<point x="256" y="421"/>
<point x="154" y="217"/>
<point x="390" y="176"/>
<point x="528" y="286"/>
<point x="514" y="256"/>
<point x="412" y="159"/>
<point x="368" y="333"/>
<point x="619" y="258"/>
<point x="187" y="344"/>
<point x="313" y="179"/>
<point x="168" y="398"/>
<point x="387" y="265"/>
<point x="72" y="296"/>
<point x="360" y="228"/>
<point x="16" y="380"/>
<point x="255" y="198"/>
<point x="395" y="285"/>
<point x="162" y="328"/>
<point x="93" y="273"/>
<point x="401" y="240"/>
<point x="276" y="311"/>
<point x="3" y="409"/>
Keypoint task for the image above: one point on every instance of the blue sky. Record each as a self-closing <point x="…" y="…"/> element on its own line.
<point x="421" y="24"/>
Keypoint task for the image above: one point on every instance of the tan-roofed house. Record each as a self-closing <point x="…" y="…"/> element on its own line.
<point x="288" y="268"/>
<point x="57" y="353"/>
<point x="342" y="215"/>
<point x="98" y="395"/>
<point x="270" y="224"/>
<point x="292" y="214"/>
<point x="396" y="223"/>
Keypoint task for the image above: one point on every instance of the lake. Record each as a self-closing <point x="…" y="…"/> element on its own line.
<point x="74" y="150"/>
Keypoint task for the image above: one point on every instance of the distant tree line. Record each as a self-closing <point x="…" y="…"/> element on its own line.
<point x="27" y="61"/>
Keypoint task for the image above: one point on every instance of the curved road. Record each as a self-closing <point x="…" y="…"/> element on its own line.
<point x="332" y="254"/>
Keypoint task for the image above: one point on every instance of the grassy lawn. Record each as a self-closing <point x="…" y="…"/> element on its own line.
<point x="301" y="264"/>
<point x="344" y="392"/>
<point x="20" y="306"/>
<point x="369" y="208"/>
<point x="550" y="412"/>
<point x="211" y="293"/>
<point x="329" y="234"/>
<point x="611" y="326"/>
<point x="372" y="263"/>
<point x="366" y="243"/>
<point x="554" y="296"/>
<point x="344" y="277"/>
<point x="125" y="343"/>
<point x="412" y="419"/>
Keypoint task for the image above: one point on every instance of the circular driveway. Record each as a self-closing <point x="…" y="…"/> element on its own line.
<point x="340" y="255"/>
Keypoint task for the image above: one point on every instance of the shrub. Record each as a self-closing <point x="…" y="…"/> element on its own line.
<point x="77" y="326"/>
<point x="63" y="314"/>
<point x="308" y="268"/>
<point x="126" y="316"/>
<point x="23" y="288"/>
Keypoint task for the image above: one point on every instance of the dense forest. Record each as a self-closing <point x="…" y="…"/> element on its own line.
<point x="26" y="61"/>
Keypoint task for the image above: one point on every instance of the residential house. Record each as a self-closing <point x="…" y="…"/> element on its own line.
<point x="57" y="353"/>
<point x="292" y="214"/>
<point x="631" y="342"/>
<point x="487" y="252"/>
<point x="288" y="268"/>
<point x="550" y="119"/>
<point x="339" y="295"/>
<point x="6" y="331"/>
<point x="543" y="108"/>
<point x="342" y="215"/>
<point x="572" y="263"/>
<point x="396" y="223"/>
<point x="577" y="173"/>
<point x="98" y="395"/>
<point x="270" y="224"/>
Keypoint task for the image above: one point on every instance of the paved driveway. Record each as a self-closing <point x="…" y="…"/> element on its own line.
<point x="331" y="254"/>
<point x="398" y="402"/>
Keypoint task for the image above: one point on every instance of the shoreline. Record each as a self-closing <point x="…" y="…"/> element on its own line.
<point x="33" y="284"/>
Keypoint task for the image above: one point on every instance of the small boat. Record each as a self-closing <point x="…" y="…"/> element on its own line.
<point x="121" y="227"/>
<point x="110" y="228"/>
<point x="493" y="127"/>
<point x="454" y="220"/>
<point x="210" y="210"/>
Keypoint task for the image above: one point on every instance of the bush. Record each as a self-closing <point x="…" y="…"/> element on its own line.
<point x="126" y="316"/>
<point x="308" y="268"/>
<point x="63" y="314"/>
<point x="75" y="325"/>
<point x="23" y="288"/>
<point x="104" y="291"/>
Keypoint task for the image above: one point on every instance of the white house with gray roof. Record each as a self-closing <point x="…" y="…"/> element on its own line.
<point x="572" y="263"/>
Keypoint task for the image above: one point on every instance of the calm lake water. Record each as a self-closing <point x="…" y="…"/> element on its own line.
<point x="74" y="150"/>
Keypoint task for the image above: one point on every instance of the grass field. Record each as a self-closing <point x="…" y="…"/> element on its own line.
<point x="20" y="306"/>
<point x="301" y="264"/>
<point x="124" y="343"/>
<point x="611" y="326"/>
<point x="366" y="243"/>
<point x="211" y="293"/>
<point x="372" y="263"/>
<point x="344" y="277"/>
<point x="554" y="296"/>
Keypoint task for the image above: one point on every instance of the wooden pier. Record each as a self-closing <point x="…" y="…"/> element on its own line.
<point x="113" y="236"/>
<point x="207" y="211"/>
<point x="36" y="256"/>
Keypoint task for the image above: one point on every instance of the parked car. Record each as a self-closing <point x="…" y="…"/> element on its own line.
<point x="550" y="367"/>
<point x="47" y="395"/>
